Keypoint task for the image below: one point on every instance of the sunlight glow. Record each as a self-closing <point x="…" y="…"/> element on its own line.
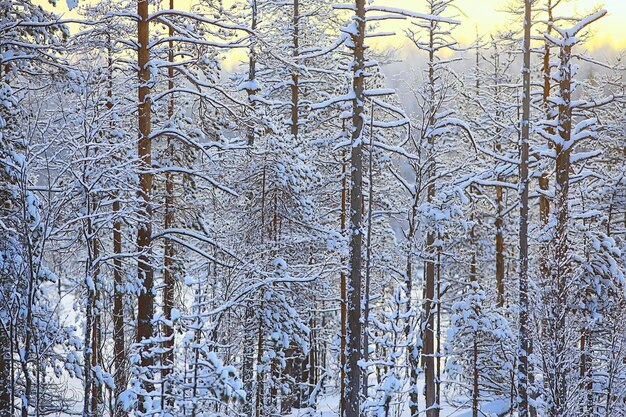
<point x="477" y="16"/>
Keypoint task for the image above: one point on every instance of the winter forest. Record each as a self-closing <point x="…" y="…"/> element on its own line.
<point x="259" y="208"/>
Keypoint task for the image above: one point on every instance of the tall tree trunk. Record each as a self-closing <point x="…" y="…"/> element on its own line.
<point x="343" y="290"/>
<point x="499" y="223"/>
<point x="91" y="286"/>
<point x="546" y="69"/>
<point x="312" y="381"/>
<point x="544" y="203"/>
<point x="428" y="322"/>
<point x="247" y="372"/>
<point x="88" y="346"/>
<point x="476" y="373"/>
<point x="145" y="305"/>
<point x="475" y="368"/>
<point x="119" y="343"/>
<point x="438" y="330"/>
<point x="168" y="247"/>
<point x="96" y="392"/>
<point x="368" y="265"/>
<point x="260" y="386"/>
<point x="294" y="128"/>
<point x="295" y="75"/>
<point x="354" y="355"/>
<point x="524" y="347"/>
<point x="412" y="345"/>
<point x="30" y="301"/>
<point x="585" y="375"/>
<point x="7" y="391"/>
<point x="6" y="407"/>
<point x="252" y="87"/>
<point x="562" y="268"/>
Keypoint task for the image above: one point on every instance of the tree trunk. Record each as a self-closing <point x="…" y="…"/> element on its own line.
<point x="354" y="355"/>
<point x="145" y="305"/>
<point x="6" y="407"/>
<point x="343" y="289"/>
<point x="96" y="392"/>
<point x="412" y="347"/>
<point x="499" y="248"/>
<point x="119" y="349"/>
<point x="295" y="76"/>
<point x="247" y="372"/>
<point x="544" y="203"/>
<point x="251" y="89"/>
<point x="475" y="385"/>
<point x="428" y="322"/>
<point x="586" y="375"/>
<point x="90" y="401"/>
<point x="312" y="359"/>
<point x="260" y="388"/>
<point x="524" y="347"/>
<point x="438" y="331"/>
<point x="88" y="348"/>
<point x="168" y="247"/>
<point x="499" y="222"/>
<point x="562" y="268"/>
<point x="368" y="265"/>
<point x="476" y="370"/>
<point x="119" y="343"/>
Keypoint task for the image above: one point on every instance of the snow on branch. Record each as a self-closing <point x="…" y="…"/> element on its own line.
<point x="333" y="100"/>
<point x="398" y="13"/>
<point x="568" y="35"/>
<point x="198" y="174"/>
<point x="194" y="235"/>
<point x="414" y="15"/>
<point x="198" y="18"/>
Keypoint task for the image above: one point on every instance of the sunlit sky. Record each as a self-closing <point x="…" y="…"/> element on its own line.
<point x="487" y="16"/>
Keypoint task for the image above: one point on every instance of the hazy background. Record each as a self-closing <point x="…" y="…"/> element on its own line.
<point x="486" y="16"/>
<point x="479" y="19"/>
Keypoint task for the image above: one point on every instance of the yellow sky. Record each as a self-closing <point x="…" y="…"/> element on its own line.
<point x="486" y="15"/>
<point x="610" y="31"/>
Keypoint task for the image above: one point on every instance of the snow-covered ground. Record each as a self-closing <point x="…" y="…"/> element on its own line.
<point x="328" y="406"/>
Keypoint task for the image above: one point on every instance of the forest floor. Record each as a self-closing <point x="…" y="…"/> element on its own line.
<point x="328" y="406"/>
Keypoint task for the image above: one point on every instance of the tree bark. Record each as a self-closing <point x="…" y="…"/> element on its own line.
<point x="247" y="372"/>
<point x="524" y="347"/>
<point x="295" y="76"/>
<point x="145" y="305"/>
<point x="412" y="346"/>
<point x="168" y="246"/>
<point x="476" y="370"/>
<point x="562" y="267"/>
<point x="428" y="322"/>
<point x="6" y="408"/>
<point x="354" y="330"/>
<point x="544" y="203"/>
<point x="96" y="393"/>
<point x="368" y="264"/>
<point x="499" y="223"/>
<point x="252" y="89"/>
<point x="260" y="386"/>
<point x="343" y="290"/>
<point x="119" y="344"/>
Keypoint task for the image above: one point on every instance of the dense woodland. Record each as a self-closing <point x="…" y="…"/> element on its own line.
<point x="304" y="235"/>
